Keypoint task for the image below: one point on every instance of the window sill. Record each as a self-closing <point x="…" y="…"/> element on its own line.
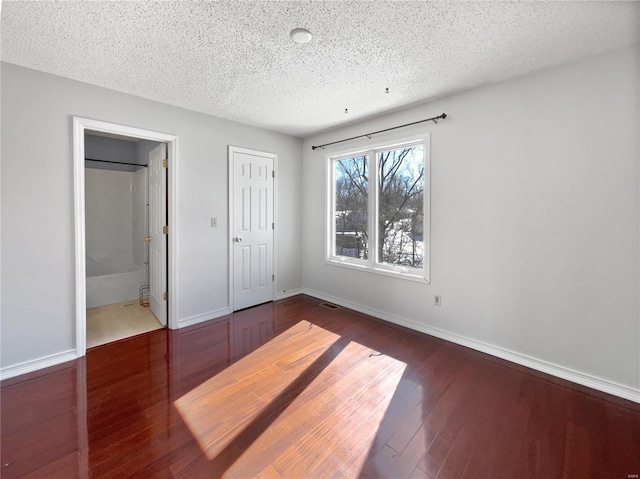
<point x="418" y="278"/>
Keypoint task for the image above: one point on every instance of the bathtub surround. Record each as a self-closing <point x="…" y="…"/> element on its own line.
<point x="109" y="219"/>
<point x="116" y="218"/>
<point x="114" y="283"/>
<point x="115" y="224"/>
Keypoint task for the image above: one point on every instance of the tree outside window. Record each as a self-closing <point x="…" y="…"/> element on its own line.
<point x="351" y="211"/>
<point x="401" y="206"/>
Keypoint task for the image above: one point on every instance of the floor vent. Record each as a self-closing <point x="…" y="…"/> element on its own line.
<point x="329" y="305"/>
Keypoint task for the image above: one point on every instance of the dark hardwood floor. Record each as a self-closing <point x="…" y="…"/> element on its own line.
<point x="335" y="394"/>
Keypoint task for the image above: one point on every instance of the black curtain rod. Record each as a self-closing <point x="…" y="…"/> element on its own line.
<point x="115" y="162"/>
<point x="368" y="135"/>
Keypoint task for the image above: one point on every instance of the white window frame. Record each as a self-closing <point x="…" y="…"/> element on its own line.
<point x="371" y="265"/>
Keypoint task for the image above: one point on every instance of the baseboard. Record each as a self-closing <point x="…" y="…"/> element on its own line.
<point x="288" y="294"/>
<point x="35" y="364"/>
<point x="58" y="358"/>
<point x="601" y="384"/>
<point x="201" y="318"/>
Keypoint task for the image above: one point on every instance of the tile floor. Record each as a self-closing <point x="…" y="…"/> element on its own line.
<point x="118" y="321"/>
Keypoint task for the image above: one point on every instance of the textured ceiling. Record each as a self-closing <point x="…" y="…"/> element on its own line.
<point x="235" y="60"/>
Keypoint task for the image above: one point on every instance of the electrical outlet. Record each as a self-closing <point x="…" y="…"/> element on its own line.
<point x="214" y="222"/>
<point x="437" y="300"/>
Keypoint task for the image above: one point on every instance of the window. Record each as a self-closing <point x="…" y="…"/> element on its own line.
<point x="378" y="209"/>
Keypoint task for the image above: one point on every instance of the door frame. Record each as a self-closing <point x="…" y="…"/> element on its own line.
<point x="274" y="157"/>
<point x="79" y="126"/>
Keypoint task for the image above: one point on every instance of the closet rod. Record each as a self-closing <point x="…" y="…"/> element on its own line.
<point x="368" y="135"/>
<point x="115" y="162"/>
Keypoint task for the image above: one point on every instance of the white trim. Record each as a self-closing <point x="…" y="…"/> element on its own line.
<point x="638" y="338"/>
<point x="274" y="157"/>
<point x="289" y="294"/>
<point x="594" y="382"/>
<point x="201" y="318"/>
<point x="79" y="126"/>
<point x="36" y="364"/>
<point x="276" y="226"/>
<point x="81" y="269"/>
<point x="174" y="227"/>
<point x="419" y="278"/>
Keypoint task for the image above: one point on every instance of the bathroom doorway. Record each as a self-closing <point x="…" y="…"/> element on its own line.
<point x="118" y="202"/>
<point x="124" y="252"/>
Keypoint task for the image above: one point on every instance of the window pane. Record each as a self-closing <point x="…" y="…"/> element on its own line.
<point x="400" y="206"/>
<point x="351" y="190"/>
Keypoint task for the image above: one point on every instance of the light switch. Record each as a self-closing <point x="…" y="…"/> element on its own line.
<point x="214" y="222"/>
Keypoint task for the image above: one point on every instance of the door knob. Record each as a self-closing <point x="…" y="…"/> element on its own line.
<point x="237" y="239"/>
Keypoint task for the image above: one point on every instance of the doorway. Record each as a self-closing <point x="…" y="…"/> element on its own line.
<point x="165" y="205"/>
<point x="125" y="210"/>
<point x="252" y="199"/>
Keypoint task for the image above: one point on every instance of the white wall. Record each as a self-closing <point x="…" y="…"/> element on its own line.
<point x="534" y="219"/>
<point x="38" y="316"/>
<point x="143" y="148"/>
<point x="110" y="149"/>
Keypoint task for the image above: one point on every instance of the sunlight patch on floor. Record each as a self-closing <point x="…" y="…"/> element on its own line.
<point x="306" y="404"/>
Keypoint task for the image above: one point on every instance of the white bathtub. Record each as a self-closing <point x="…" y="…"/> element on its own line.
<point x="109" y="283"/>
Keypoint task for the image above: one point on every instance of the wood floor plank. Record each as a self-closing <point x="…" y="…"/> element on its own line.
<point x="379" y="464"/>
<point x="411" y="455"/>
<point x="218" y="410"/>
<point x="352" y="391"/>
<point x="291" y="389"/>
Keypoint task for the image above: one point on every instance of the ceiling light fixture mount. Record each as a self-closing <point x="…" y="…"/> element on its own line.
<point x="300" y="35"/>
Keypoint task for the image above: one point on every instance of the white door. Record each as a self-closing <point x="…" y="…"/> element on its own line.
<point x="157" y="221"/>
<point x="251" y="227"/>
